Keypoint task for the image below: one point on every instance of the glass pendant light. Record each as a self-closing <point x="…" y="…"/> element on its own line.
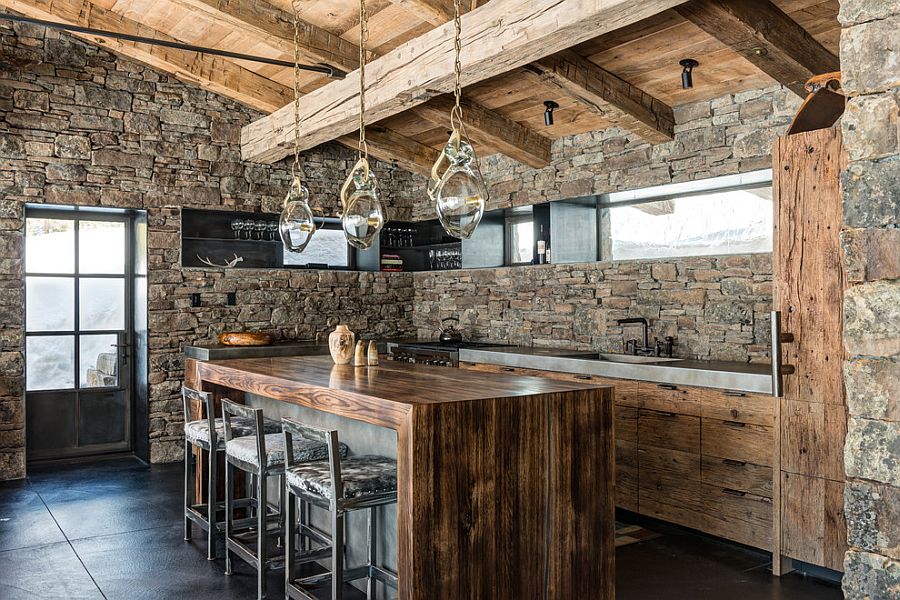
<point x="363" y="213"/>
<point x="458" y="190"/>
<point x="296" y="224"/>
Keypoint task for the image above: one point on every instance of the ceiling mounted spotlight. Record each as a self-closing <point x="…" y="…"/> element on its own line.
<point x="687" y="77"/>
<point x="548" y="114"/>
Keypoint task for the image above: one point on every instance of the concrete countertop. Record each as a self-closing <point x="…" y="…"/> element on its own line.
<point x="743" y="377"/>
<point x="216" y="351"/>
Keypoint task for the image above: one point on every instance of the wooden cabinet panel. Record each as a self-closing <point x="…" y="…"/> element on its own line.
<point x="626" y="423"/>
<point x="812" y="438"/>
<point x="670" y="398"/>
<point x="740" y="516"/>
<point x="626" y="475"/>
<point x="673" y="463"/>
<point x="670" y="498"/>
<point x="738" y="406"/>
<point x="738" y="441"/>
<point x="813" y="526"/>
<point x="669" y="430"/>
<point x="737" y="475"/>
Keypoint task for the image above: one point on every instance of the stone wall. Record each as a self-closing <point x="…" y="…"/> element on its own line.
<point x="730" y="134"/>
<point x="870" y="63"/>
<point x="716" y="308"/>
<point x="80" y="126"/>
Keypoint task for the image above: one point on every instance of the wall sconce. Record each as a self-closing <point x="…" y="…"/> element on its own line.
<point x="548" y="114"/>
<point x="687" y="77"/>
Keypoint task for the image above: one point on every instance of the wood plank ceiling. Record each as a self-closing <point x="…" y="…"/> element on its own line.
<point x="628" y="77"/>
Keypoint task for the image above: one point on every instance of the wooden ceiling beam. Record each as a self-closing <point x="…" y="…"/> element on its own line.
<point x="608" y="95"/>
<point x="436" y="12"/>
<point x="390" y="146"/>
<point x="490" y="128"/>
<point x="213" y="73"/>
<point x="766" y="36"/>
<point x="276" y="27"/>
<point x="497" y="37"/>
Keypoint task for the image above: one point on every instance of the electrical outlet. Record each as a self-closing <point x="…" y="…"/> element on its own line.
<point x="232" y="298"/>
<point x="195" y="300"/>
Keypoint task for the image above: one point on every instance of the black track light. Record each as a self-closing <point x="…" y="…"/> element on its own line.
<point x="687" y="77"/>
<point x="548" y="114"/>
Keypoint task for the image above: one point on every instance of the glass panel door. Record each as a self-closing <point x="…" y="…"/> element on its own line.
<point x="78" y="284"/>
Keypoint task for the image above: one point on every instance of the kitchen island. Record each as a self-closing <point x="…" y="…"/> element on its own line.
<point x="506" y="482"/>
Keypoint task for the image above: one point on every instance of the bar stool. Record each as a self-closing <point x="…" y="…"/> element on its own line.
<point x="207" y="433"/>
<point x="340" y="487"/>
<point x="260" y="456"/>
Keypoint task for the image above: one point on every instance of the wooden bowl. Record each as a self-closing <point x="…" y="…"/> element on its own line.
<point x="245" y="338"/>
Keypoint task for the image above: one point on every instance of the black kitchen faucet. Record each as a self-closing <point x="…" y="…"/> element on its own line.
<point x="631" y="345"/>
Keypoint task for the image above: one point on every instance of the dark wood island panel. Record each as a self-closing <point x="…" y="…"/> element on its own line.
<point x="506" y="482"/>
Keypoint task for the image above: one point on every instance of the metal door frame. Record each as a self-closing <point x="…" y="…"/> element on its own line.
<point x="125" y="364"/>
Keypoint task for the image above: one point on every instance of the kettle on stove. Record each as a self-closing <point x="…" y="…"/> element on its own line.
<point x="449" y="333"/>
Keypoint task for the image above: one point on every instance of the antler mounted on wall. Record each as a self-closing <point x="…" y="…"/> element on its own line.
<point x="229" y="264"/>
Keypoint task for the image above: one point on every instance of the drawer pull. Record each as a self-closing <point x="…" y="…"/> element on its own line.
<point x="588" y="377"/>
<point x="735" y="394"/>
<point x="667" y="386"/>
<point x="734" y="463"/>
<point x="669" y="415"/>
<point x="734" y="424"/>
<point x="507" y="369"/>
<point x="732" y="492"/>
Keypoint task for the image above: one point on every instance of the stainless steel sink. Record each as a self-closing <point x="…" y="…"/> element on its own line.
<point x="620" y="358"/>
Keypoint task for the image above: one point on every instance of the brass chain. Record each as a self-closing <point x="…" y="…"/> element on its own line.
<point x="363" y="37"/>
<point x="456" y="113"/>
<point x="295" y="167"/>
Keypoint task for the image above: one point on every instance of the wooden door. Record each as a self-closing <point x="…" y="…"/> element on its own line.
<point x="808" y="290"/>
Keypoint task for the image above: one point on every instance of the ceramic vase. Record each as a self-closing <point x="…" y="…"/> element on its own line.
<point x="340" y="344"/>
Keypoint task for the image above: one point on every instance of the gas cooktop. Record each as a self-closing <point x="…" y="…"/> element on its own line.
<point x="438" y="345"/>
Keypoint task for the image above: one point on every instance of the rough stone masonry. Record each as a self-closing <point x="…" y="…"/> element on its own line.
<point x="80" y="126"/>
<point x="870" y="63"/>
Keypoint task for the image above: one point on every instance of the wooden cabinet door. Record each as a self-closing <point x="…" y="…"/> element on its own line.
<point x="809" y="287"/>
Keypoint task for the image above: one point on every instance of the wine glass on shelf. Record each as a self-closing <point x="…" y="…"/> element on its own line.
<point x="272" y="229"/>
<point x="260" y="227"/>
<point x="236" y="226"/>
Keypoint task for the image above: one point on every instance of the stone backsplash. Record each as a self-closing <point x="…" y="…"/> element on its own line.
<point x="716" y="307"/>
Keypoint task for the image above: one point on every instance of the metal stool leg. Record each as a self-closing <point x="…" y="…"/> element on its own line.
<point x="229" y="512"/>
<point x="279" y="541"/>
<point x="211" y="502"/>
<point x="372" y="546"/>
<point x="188" y="487"/>
<point x="261" y="536"/>
<point x="289" y="536"/>
<point x="337" y="556"/>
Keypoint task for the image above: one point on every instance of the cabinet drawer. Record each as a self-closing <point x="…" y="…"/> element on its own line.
<point x="669" y="430"/>
<point x="671" y="498"/>
<point x="672" y="463"/>
<point x="737" y="475"/>
<point x="738" y="441"/>
<point x="626" y="423"/>
<point x="670" y="398"/>
<point x="739" y="516"/>
<point x="626" y="476"/>
<point x="743" y="407"/>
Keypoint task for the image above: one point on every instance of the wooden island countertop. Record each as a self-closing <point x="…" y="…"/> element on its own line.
<point x="505" y="482"/>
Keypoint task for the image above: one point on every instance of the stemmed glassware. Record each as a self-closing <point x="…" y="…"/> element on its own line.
<point x="236" y="226"/>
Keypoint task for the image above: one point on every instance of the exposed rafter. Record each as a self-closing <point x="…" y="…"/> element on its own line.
<point x="613" y="98"/>
<point x="276" y="27"/>
<point x="766" y="36"/>
<point x="492" y="129"/>
<point x="216" y="74"/>
<point x="391" y="146"/>
<point x="436" y="12"/>
<point x="421" y="69"/>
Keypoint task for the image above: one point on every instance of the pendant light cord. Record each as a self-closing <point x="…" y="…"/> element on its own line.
<point x="363" y="37"/>
<point x="456" y="114"/>
<point x="296" y="167"/>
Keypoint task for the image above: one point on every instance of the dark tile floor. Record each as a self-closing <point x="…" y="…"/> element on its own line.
<point x="112" y="529"/>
